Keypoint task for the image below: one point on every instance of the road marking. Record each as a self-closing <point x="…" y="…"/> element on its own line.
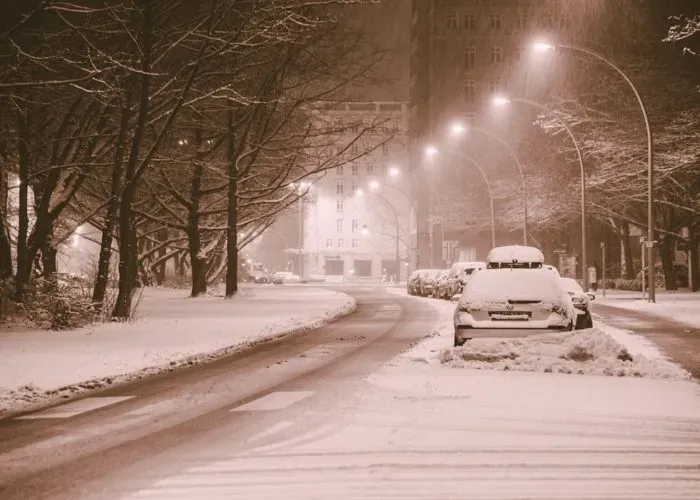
<point x="278" y="427"/>
<point x="275" y="401"/>
<point x="75" y="408"/>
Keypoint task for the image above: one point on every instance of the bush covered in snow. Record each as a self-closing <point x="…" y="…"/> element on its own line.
<point x="580" y="352"/>
<point x="60" y="302"/>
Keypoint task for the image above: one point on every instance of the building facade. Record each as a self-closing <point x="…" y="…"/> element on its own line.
<point x="357" y="218"/>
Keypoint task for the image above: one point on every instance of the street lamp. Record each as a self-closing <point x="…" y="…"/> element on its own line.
<point x="458" y="129"/>
<point x="393" y="171"/>
<point x="502" y="101"/>
<point x="542" y="46"/>
<point x="431" y="151"/>
<point x="490" y="191"/>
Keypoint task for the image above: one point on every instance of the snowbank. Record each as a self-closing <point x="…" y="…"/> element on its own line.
<point x="602" y="350"/>
<point x="173" y="331"/>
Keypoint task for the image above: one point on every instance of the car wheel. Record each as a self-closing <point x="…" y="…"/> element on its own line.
<point x="581" y="322"/>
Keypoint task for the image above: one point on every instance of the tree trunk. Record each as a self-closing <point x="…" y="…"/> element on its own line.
<point x="198" y="260"/>
<point x="127" y="228"/>
<point x="159" y="269"/>
<point x="103" y="264"/>
<point x="5" y="247"/>
<point x="666" y="250"/>
<point x="48" y="256"/>
<point x="232" y="214"/>
<point x="694" y="261"/>
<point x="626" y="253"/>
<point x="23" y="265"/>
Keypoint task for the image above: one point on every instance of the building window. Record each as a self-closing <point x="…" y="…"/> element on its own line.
<point x="469" y="90"/>
<point x="565" y="20"/>
<point x="522" y="21"/>
<point x="394" y="126"/>
<point x="355" y="170"/>
<point x="339" y="187"/>
<point x="496" y="54"/>
<point x="355" y="225"/>
<point x="518" y="54"/>
<point x="356" y="243"/>
<point x="341" y="243"/>
<point x="370" y="168"/>
<point x="385" y="149"/>
<point x="548" y="21"/>
<point x="469" y="22"/>
<point x="355" y="185"/>
<point x="469" y="58"/>
<point x="469" y="118"/>
<point x="354" y="148"/>
<point x="495" y="21"/>
<point x="339" y="225"/>
<point x="451" y="21"/>
<point x="339" y="170"/>
<point x="329" y="243"/>
<point x="339" y="206"/>
<point x="494" y="86"/>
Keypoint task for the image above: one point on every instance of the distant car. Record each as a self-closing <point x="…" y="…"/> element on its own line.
<point x="439" y="283"/>
<point x="512" y="303"/>
<point x="412" y="282"/>
<point x="427" y="282"/>
<point x="458" y="276"/>
<point x="284" y="277"/>
<point x="581" y="301"/>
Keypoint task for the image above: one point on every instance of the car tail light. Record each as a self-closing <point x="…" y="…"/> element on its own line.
<point x="558" y="310"/>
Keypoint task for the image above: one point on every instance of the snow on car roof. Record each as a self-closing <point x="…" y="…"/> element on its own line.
<point x="499" y="285"/>
<point x="515" y="253"/>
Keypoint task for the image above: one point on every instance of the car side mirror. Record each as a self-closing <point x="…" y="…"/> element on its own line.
<point x="591" y="296"/>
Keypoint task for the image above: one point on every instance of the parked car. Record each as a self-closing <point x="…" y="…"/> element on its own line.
<point x="412" y="282"/>
<point x="581" y="301"/>
<point x="553" y="269"/>
<point x="427" y="282"/>
<point x="285" y="277"/>
<point x="439" y="282"/>
<point x="458" y="276"/>
<point x="516" y="302"/>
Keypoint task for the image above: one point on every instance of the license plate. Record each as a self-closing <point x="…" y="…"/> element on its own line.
<point x="510" y="316"/>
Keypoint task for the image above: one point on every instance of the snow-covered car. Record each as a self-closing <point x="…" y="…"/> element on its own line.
<point x="427" y="281"/>
<point x="439" y="281"/>
<point x="458" y="276"/>
<point x="553" y="269"/>
<point x="514" y="302"/>
<point x="581" y="301"/>
<point x="412" y="282"/>
<point x="285" y="277"/>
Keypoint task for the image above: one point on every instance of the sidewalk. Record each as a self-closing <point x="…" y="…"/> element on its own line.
<point x="439" y="422"/>
<point x="676" y="305"/>
<point x="173" y="330"/>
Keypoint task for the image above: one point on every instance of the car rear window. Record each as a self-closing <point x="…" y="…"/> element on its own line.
<point x="497" y="285"/>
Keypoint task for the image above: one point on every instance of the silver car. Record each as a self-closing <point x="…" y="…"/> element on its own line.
<point x="581" y="301"/>
<point x="503" y="303"/>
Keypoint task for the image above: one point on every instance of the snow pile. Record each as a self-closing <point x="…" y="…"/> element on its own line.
<point x="602" y="350"/>
<point x="587" y="352"/>
<point x="174" y="332"/>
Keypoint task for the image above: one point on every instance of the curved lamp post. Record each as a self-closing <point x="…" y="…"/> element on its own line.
<point x="547" y="47"/>
<point x="490" y="191"/>
<point x="459" y="129"/>
<point x="503" y="101"/>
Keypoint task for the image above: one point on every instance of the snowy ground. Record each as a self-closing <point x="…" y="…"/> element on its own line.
<point x="680" y="306"/>
<point x="173" y="330"/>
<point x="468" y="428"/>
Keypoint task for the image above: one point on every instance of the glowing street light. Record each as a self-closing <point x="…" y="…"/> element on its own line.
<point x="500" y="101"/>
<point x="359" y="192"/>
<point x="542" y="47"/>
<point x="431" y="151"/>
<point x="458" y="129"/>
<point x="374" y="185"/>
<point x="394" y="171"/>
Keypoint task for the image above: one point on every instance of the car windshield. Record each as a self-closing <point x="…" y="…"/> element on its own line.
<point x="497" y="285"/>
